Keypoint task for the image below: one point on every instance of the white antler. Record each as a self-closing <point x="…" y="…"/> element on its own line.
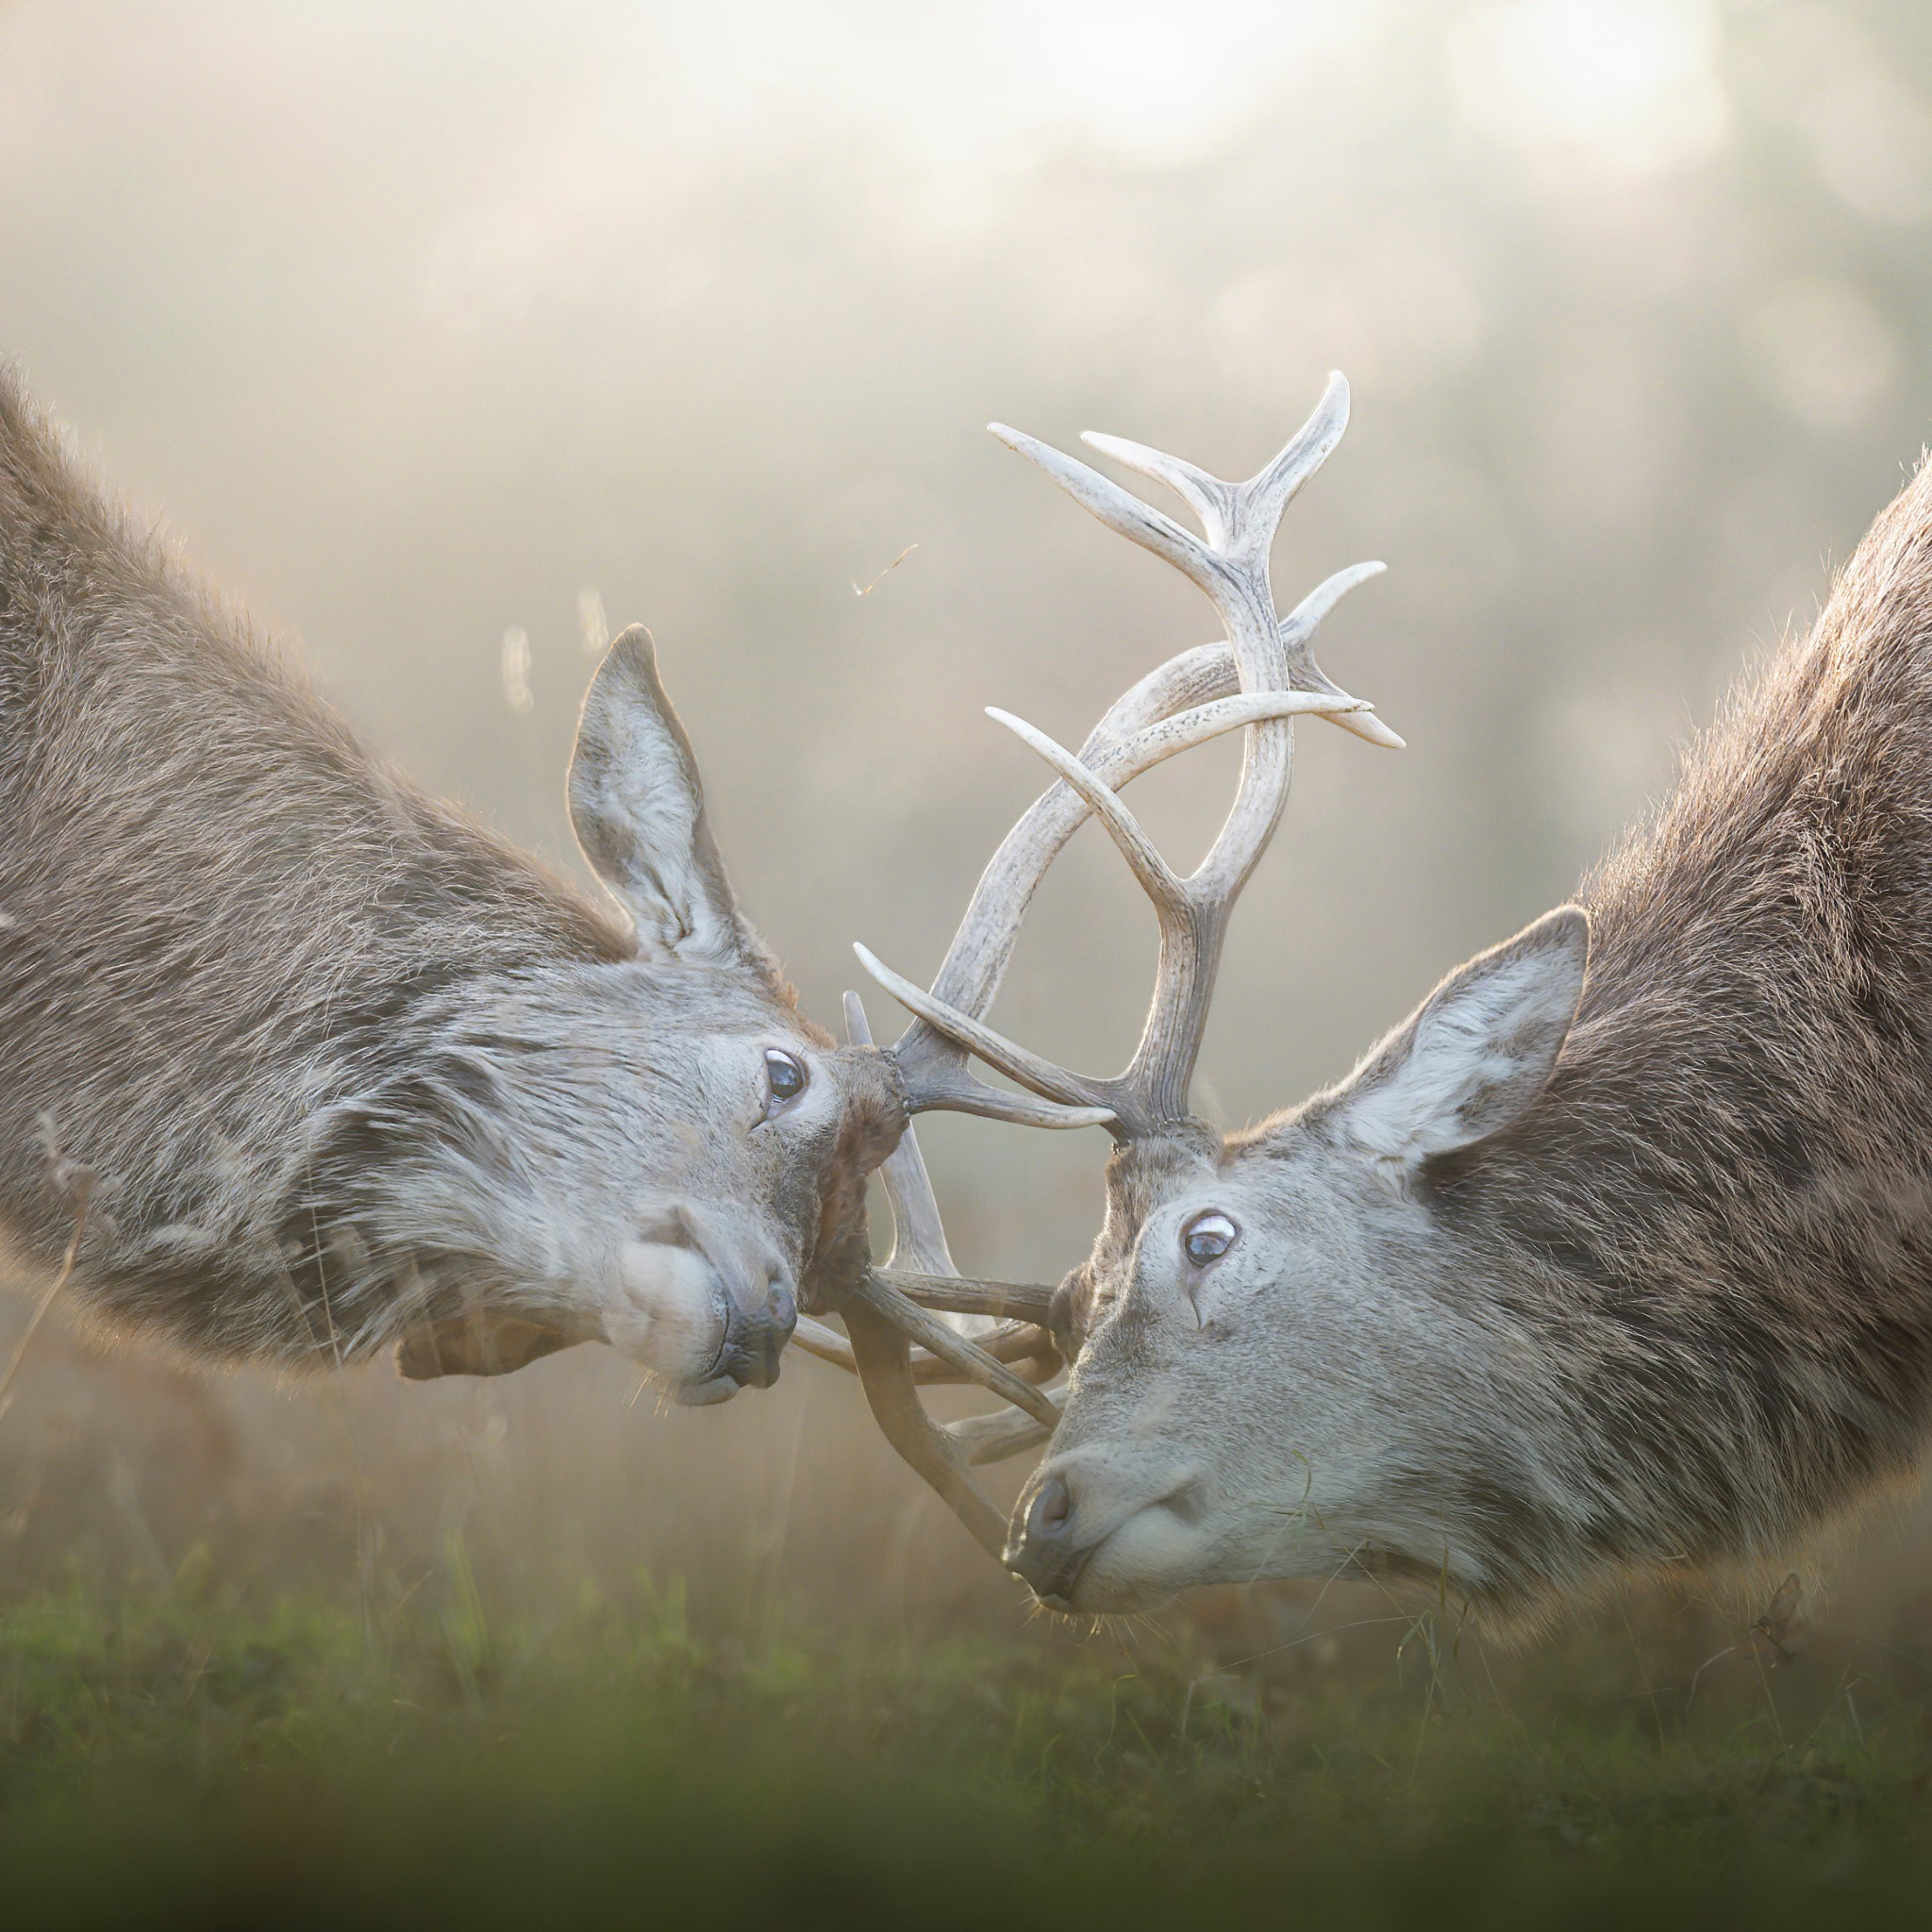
<point x="1269" y="663"/>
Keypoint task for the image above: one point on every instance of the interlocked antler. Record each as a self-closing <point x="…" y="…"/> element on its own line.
<point x="1277" y="678"/>
<point x="889" y="1310"/>
<point x="1260" y="680"/>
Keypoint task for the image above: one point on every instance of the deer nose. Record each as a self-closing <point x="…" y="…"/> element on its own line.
<point x="1051" y="1512"/>
<point x="1042" y="1553"/>
<point x="755" y="1340"/>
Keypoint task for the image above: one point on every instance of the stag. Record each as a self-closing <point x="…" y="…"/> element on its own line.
<point x="1614" y="1258"/>
<point x="297" y="1064"/>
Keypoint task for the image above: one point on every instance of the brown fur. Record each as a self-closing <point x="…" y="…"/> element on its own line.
<point x="342" y="1059"/>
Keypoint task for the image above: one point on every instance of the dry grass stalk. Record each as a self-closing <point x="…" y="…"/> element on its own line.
<point x="69" y="1177"/>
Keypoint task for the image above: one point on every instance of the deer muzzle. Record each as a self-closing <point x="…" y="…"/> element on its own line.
<point x="1094" y="1531"/>
<point x="1043" y="1550"/>
<point x="706" y="1301"/>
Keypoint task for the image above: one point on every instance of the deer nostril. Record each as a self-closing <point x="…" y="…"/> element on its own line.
<point x="784" y="1309"/>
<point x="1051" y="1512"/>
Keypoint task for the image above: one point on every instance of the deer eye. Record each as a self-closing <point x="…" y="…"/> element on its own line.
<point x="785" y="1081"/>
<point x="1209" y="1237"/>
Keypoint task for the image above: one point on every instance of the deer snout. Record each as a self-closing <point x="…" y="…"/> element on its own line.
<point x="755" y="1337"/>
<point x="708" y="1304"/>
<point x="758" y="1298"/>
<point x="1095" y="1533"/>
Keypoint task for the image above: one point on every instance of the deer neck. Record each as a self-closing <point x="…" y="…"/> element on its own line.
<point x="1714" y="1229"/>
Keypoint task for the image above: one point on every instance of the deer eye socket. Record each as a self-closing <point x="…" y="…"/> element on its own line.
<point x="1209" y="1237"/>
<point x="785" y="1081"/>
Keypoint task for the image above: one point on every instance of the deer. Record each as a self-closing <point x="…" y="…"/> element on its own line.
<point x="1613" y="1261"/>
<point x="298" y="1065"/>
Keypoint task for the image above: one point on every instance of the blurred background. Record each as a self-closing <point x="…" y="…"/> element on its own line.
<point x="430" y="328"/>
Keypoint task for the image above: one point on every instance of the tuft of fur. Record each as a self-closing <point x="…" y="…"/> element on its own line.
<point x="1717" y="1220"/>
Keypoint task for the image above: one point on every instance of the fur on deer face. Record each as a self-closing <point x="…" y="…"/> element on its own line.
<point x="1283" y="1375"/>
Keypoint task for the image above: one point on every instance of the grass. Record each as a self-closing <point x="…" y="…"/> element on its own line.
<point x="182" y="1754"/>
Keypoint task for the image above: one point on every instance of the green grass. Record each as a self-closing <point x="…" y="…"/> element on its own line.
<point x="181" y="1755"/>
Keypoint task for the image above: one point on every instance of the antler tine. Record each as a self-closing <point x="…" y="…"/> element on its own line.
<point x="1137" y="848"/>
<point x="1208" y="497"/>
<point x="882" y="1324"/>
<point x="1041" y="1075"/>
<point x="1300" y="625"/>
<point x="930" y="1057"/>
<point x="1261" y="501"/>
<point x="919" y="1236"/>
<point x="1117" y="509"/>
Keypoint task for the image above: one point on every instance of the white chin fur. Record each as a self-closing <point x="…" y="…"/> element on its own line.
<point x="666" y="1311"/>
<point x="704" y="1395"/>
<point x="1149" y="1560"/>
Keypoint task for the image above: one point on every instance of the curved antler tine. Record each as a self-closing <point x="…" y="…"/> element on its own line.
<point x="1041" y="1075"/>
<point x="936" y="1081"/>
<point x="827" y="1344"/>
<point x="933" y="1334"/>
<point x="1272" y="488"/>
<point x="1027" y="1303"/>
<point x="1013" y="1342"/>
<point x="919" y="1236"/>
<point x="1369" y="728"/>
<point x="885" y="1372"/>
<point x="1137" y="848"/>
<point x="1119" y="509"/>
<point x="1301" y="624"/>
<point x="1156" y="744"/>
<point x="1207" y="496"/>
<point x="993" y="1438"/>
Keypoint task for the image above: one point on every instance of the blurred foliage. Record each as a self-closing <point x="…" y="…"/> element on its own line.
<point x="187" y="1757"/>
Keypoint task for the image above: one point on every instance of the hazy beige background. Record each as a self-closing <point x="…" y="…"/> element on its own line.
<point x="419" y="320"/>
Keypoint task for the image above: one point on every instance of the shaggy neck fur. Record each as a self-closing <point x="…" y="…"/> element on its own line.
<point x="165" y="787"/>
<point x="1714" y="1230"/>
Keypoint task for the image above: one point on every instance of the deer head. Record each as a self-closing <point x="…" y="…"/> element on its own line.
<point x="671" y="1158"/>
<point x="715" y="1143"/>
<point x="1284" y="1371"/>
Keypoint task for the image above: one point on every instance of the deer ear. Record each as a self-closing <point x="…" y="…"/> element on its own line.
<point x="1479" y="1049"/>
<point x="637" y="808"/>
